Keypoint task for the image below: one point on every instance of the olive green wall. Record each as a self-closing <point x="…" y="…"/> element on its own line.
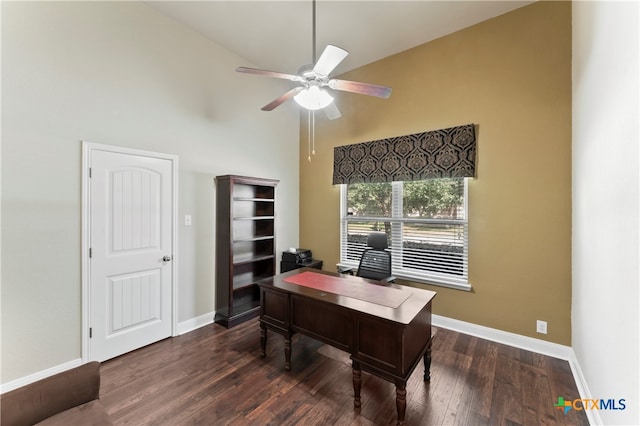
<point x="511" y="76"/>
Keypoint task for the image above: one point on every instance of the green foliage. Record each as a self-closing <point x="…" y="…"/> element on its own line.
<point x="369" y="199"/>
<point x="435" y="197"/>
<point x="426" y="198"/>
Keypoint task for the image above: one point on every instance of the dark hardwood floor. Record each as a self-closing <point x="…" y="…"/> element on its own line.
<point x="215" y="376"/>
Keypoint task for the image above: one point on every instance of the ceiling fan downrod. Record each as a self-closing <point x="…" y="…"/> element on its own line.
<point x="311" y="92"/>
<point x="313" y="32"/>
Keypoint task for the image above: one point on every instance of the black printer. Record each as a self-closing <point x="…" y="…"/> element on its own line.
<point x="298" y="258"/>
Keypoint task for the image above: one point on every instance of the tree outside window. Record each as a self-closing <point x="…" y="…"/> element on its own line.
<point x="425" y="222"/>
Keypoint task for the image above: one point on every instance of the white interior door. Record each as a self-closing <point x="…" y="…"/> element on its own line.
<point x="131" y="241"/>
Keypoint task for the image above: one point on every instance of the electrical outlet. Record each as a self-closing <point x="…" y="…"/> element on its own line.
<point x="187" y="220"/>
<point x="541" y="327"/>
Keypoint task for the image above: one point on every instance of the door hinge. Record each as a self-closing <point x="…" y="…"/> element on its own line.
<point x="90" y="252"/>
<point x="90" y="332"/>
<point x="89" y="172"/>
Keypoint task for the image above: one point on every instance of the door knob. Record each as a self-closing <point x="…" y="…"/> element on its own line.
<point x="166" y="259"/>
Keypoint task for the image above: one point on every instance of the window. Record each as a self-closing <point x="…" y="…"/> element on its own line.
<point x="425" y="221"/>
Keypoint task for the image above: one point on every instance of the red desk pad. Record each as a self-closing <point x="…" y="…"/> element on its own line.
<point x="380" y="295"/>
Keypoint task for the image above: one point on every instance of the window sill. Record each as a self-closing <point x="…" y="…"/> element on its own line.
<point x="456" y="285"/>
<point x="448" y="284"/>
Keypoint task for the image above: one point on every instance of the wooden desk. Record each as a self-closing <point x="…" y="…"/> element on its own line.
<point x="385" y="328"/>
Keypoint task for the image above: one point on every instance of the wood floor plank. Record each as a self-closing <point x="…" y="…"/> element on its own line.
<point x="215" y="376"/>
<point x="458" y="404"/>
<point x="535" y="395"/>
<point x="485" y="358"/>
<point x="561" y="384"/>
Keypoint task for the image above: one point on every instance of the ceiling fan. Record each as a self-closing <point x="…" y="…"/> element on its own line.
<point x="311" y="93"/>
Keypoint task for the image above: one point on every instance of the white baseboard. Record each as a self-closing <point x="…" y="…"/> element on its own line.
<point x="592" y="415"/>
<point x="511" y="339"/>
<point x="195" y="323"/>
<point x="530" y="344"/>
<point x="23" y="381"/>
<point x="183" y="328"/>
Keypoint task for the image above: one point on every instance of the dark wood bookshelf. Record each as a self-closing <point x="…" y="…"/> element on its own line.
<point x="245" y="245"/>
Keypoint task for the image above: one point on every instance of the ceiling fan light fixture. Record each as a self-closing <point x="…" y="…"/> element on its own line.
<point x="313" y="98"/>
<point x="309" y="94"/>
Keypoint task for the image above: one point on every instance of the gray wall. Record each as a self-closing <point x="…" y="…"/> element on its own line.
<point x="118" y="73"/>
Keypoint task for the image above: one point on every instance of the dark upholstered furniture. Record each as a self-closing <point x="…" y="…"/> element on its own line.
<point x="68" y="398"/>
<point x="375" y="262"/>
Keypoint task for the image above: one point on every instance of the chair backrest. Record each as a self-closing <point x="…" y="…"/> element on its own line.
<point x="375" y="262"/>
<point x="377" y="241"/>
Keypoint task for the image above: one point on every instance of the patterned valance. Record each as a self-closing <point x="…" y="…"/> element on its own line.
<point x="436" y="154"/>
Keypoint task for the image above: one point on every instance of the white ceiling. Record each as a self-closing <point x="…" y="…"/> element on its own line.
<point x="277" y="35"/>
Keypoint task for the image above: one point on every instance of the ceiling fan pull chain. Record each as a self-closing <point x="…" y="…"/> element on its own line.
<point x="313" y="132"/>
<point x="309" y="135"/>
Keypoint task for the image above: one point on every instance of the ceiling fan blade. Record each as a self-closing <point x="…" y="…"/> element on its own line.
<point x="361" y="88"/>
<point x="329" y="59"/>
<point x="266" y="73"/>
<point x="332" y="111"/>
<point x="282" y="99"/>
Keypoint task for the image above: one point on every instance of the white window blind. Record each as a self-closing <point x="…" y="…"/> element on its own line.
<point x="428" y="239"/>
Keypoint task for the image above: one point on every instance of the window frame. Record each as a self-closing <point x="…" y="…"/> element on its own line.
<point x="397" y="221"/>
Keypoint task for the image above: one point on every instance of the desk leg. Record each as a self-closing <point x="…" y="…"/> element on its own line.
<point x="427" y="362"/>
<point x="401" y="402"/>
<point x="357" y="382"/>
<point x="263" y="340"/>
<point x="287" y="352"/>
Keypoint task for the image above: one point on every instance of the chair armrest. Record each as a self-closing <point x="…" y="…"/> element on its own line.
<point x="346" y="270"/>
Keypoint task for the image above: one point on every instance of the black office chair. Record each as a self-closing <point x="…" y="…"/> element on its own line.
<point x="375" y="263"/>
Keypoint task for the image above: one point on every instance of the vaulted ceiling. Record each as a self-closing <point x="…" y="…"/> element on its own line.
<point x="277" y="35"/>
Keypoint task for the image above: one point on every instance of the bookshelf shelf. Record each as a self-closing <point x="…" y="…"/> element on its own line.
<point x="245" y="245"/>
